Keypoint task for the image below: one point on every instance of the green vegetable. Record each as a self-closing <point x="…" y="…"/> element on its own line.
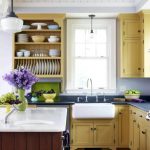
<point x="130" y="92"/>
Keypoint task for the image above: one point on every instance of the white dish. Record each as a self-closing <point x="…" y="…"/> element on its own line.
<point x="53" y="40"/>
<point x="54" y="52"/>
<point x="50" y="67"/>
<point x="19" y="54"/>
<point x="39" y="25"/>
<point x="25" y="27"/>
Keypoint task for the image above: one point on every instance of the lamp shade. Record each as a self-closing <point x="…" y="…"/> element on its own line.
<point x="11" y="24"/>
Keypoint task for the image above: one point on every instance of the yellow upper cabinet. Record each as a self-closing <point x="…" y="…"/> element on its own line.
<point x="145" y="40"/>
<point x="130" y="46"/>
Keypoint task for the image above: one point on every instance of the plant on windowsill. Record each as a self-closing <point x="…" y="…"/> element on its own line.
<point x="22" y="79"/>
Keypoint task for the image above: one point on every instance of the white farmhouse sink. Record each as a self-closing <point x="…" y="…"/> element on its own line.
<point x="93" y="110"/>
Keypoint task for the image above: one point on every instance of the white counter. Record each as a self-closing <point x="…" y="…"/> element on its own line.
<point x="40" y="119"/>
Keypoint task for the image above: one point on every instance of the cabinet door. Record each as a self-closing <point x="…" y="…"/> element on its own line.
<point x="131" y="28"/>
<point x="131" y="118"/>
<point x="104" y="134"/>
<point x="131" y="59"/>
<point x="83" y="134"/>
<point x="123" y="126"/>
<point x="136" y="136"/>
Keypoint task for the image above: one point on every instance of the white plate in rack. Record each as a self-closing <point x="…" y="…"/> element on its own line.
<point x="58" y="67"/>
<point x="50" y="67"/>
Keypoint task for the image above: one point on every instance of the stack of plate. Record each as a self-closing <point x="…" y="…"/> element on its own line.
<point x="22" y="38"/>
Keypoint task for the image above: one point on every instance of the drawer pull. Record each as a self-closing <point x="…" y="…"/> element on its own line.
<point x="92" y="128"/>
<point x="134" y="120"/>
<point x="141" y="116"/>
<point x="120" y="113"/>
<point x="134" y="113"/>
<point x="143" y="132"/>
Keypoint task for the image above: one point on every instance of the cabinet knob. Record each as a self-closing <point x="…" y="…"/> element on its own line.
<point x="140" y="116"/>
<point x="134" y="120"/>
<point x="134" y="113"/>
<point x="143" y="132"/>
<point x="139" y="31"/>
<point x="92" y="128"/>
<point x="139" y="68"/>
<point x="120" y="113"/>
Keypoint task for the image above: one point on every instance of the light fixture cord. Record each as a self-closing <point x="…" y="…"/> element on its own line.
<point x="12" y="9"/>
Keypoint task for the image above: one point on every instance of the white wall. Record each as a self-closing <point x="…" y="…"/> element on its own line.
<point x="5" y="60"/>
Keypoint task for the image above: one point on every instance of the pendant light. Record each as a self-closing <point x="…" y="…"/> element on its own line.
<point x="11" y="23"/>
<point x="91" y="16"/>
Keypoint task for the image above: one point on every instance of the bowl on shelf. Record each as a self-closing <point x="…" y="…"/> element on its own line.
<point x="53" y="27"/>
<point x="131" y="96"/>
<point x="54" y="53"/>
<point x="26" y="53"/>
<point x="38" y="38"/>
<point x="25" y="27"/>
<point x="53" y="39"/>
<point x="49" y="98"/>
<point x="19" y="54"/>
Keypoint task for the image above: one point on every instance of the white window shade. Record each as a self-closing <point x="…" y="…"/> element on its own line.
<point x="91" y="57"/>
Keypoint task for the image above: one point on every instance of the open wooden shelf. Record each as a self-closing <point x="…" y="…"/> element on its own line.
<point x="37" y="57"/>
<point x="49" y="76"/>
<point x="37" y="43"/>
<point x="43" y="30"/>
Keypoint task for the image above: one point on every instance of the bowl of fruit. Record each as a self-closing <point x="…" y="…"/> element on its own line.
<point x="132" y="94"/>
<point x="49" y="96"/>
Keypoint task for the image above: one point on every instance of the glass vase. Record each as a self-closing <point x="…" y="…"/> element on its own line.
<point x="24" y="103"/>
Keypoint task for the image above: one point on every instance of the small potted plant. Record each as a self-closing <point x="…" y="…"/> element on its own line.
<point x="49" y="96"/>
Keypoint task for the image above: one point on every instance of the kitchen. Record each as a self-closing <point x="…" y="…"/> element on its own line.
<point x="83" y="58"/>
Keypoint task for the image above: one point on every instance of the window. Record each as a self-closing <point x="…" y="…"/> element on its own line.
<point x="91" y="56"/>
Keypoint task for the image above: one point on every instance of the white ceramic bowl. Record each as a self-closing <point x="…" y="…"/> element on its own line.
<point x="26" y="53"/>
<point x="53" y="39"/>
<point x="19" y="54"/>
<point x="132" y="96"/>
<point x="54" y="52"/>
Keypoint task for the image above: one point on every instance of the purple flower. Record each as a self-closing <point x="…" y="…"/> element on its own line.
<point x="21" y="78"/>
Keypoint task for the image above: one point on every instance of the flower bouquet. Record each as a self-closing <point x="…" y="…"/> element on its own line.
<point x="22" y="80"/>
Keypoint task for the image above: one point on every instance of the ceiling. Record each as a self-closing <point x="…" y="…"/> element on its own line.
<point x="78" y="8"/>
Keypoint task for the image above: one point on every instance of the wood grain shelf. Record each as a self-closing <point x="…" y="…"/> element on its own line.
<point x="43" y="30"/>
<point x="37" y="57"/>
<point x="37" y="43"/>
<point x="49" y="76"/>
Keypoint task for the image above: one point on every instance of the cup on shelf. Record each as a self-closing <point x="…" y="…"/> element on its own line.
<point x="19" y="54"/>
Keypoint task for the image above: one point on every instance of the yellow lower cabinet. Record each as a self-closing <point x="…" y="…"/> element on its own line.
<point x="123" y="126"/>
<point x="93" y="134"/>
<point x="83" y="133"/>
<point x="136" y="136"/>
<point x="104" y="134"/>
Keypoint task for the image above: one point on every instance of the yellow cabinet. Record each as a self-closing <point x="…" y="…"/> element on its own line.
<point x="123" y="126"/>
<point x="131" y="58"/>
<point x="101" y="132"/>
<point x="145" y="38"/>
<point x="130" y="46"/>
<point x="93" y="133"/>
<point x="131" y="28"/>
<point x="83" y="133"/>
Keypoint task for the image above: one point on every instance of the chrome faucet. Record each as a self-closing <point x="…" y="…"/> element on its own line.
<point x="89" y="79"/>
<point x="9" y="114"/>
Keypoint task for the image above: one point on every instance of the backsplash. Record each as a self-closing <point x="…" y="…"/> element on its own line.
<point x="46" y="86"/>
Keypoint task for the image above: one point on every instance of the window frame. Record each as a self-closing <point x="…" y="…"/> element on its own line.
<point x="110" y="24"/>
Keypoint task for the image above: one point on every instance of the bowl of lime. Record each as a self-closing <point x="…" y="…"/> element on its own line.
<point x="132" y="94"/>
